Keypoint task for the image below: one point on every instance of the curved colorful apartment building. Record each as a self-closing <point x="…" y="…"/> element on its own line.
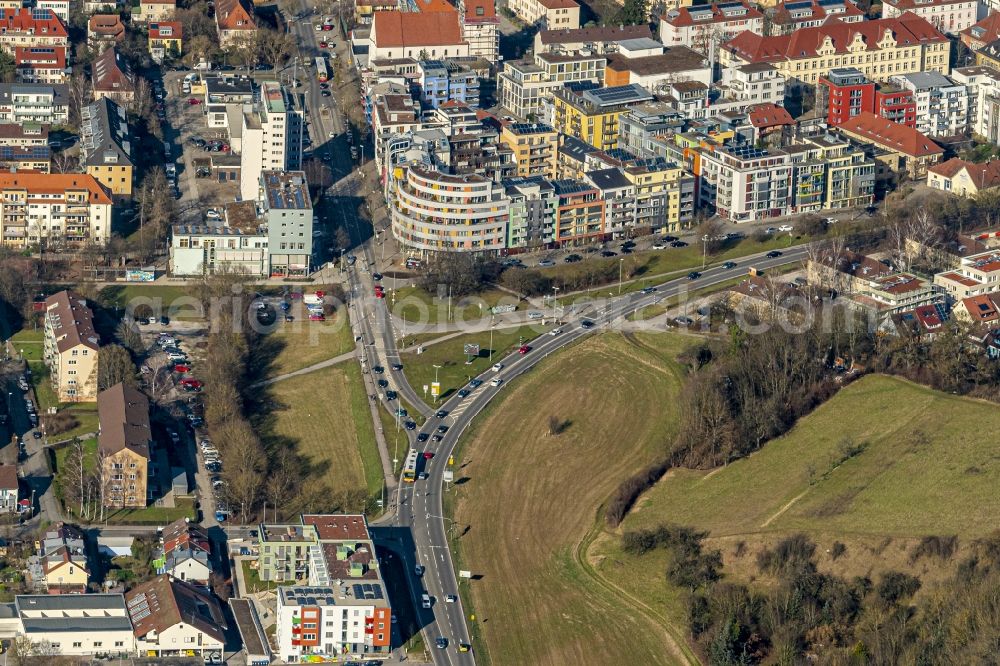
<point x="438" y="212"/>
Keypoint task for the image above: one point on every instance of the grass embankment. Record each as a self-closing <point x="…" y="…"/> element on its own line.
<point x="617" y="402"/>
<point x="304" y="343"/>
<point x="449" y="354"/>
<point x="415" y="305"/>
<point x="328" y="422"/>
<point x="880" y="466"/>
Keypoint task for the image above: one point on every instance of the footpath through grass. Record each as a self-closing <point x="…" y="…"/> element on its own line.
<point x="304" y="343"/>
<point x="617" y="402"/>
<point x="453" y="372"/>
<point x="413" y="304"/>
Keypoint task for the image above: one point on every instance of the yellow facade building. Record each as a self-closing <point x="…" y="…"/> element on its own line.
<point x="535" y="148"/>
<point x="592" y="116"/>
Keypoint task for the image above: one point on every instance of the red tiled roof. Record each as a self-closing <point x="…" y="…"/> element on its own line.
<point x="233" y="15"/>
<point x="106" y="25"/>
<point x="990" y="27"/>
<point x="22" y="20"/>
<point x="908" y="30"/>
<point x="176" y="30"/>
<point x="891" y="135"/>
<point x="682" y="18"/>
<point x="394" y="29"/>
<point x="763" y="116"/>
<point x="41" y="57"/>
<point x="912" y="4"/>
<point x="111" y="73"/>
<point x="473" y="6"/>
<point x="434" y="6"/>
<point x="55" y="183"/>
<point x="982" y="308"/>
<point x="783" y="17"/>
<point x="558" y="4"/>
<point x="984" y="175"/>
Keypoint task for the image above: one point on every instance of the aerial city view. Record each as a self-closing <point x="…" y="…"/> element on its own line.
<point x="500" y="332"/>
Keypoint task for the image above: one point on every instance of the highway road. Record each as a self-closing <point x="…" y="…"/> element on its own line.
<point x="420" y="504"/>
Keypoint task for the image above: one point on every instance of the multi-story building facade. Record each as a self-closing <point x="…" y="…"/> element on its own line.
<point x="441" y="82"/>
<point x="951" y="16"/>
<point x="533" y="204"/>
<point x="153" y="11"/>
<point x="436" y="212"/>
<point x="976" y="274"/>
<point x="286" y="209"/>
<point x="344" y="612"/>
<point x="234" y="22"/>
<point x="124" y="444"/>
<point x="640" y="128"/>
<point x="31" y="27"/>
<point x="271" y="138"/>
<point x="964" y="178"/>
<point x="664" y="195"/>
<point x="40" y="64"/>
<point x="901" y="149"/>
<point x="579" y="213"/>
<point x="42" y="103"/>
<point x="597" y="39"/>
<point x="942" y="104"/>
<point x="71" y="347"/>
<point x="658" y="69"/>
<point x="758" y="83"/>
<point x="983" y="84"/>
<point x="705" y="27"/>
<point x="745" y="184"/>
<point x="420" y="35"/>
<point x="849" y="172"/>
<point x="534" y="147"/>
<point x="524" y="85"/>
<point x="618" y="193"/>
<point x="76" y="625"/>
<point x="58" y="7"/>
<point x="550" y="14"/>
<point x="982" y="33"/>
<point x="481" y="28"/>
<point x="592" y="115"/>
<point x="166" y="39"/>
<point x="879" y="48"/>
<point x="106" y="146"/>
<point x="791" y="16"/>
<point x="173" y="618"/>
<point x="54" y="209"/>
<point x="200" y="249"/>
<point x="113" y="77"/>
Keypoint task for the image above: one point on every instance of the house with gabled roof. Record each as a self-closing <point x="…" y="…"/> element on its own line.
<point x="172" y="618"/>
<point x="71" y="347"/>
<point x="964" y="178"/>
<point x="112" y="77"/>
<point x="184" y="552"/>
<point x="234" y="20"/>
<point x="62" y="557"/>
<point x="123" y="446"/>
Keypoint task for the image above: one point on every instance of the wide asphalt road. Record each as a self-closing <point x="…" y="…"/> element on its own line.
<point x="419" y="504"/>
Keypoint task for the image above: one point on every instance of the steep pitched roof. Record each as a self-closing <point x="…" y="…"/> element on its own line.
<point x="111" y="73"/>
<point x="416" y="29"/>
<point x="55" y="183"/>
<point x="782" y="16"/>
<point x="164" y="602"/>
<point x="681" y="17"/>
<point x="8" y="477"/>
<point x="763" y="116"/>
<point x="985" y="31"/>
<point x="72" y="321"/>
<point x="166" y="30"/>
<point x="123" y="413"/>
<point x="891" y="135"/>
<point x="479" y="10"/>
<point x="32" y="21"/>
<point x="40" y="57"/>
<point x="984" y="175"/>
<point x="106" y="25"/>
<point x="982" y="309"/>
<point x="234" y="15"/>
<point x="907" y="30"/>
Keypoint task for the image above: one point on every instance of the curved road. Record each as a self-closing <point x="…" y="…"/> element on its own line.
<point x="419" y="505"/>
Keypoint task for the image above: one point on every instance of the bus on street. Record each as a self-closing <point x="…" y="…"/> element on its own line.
<point x="410" y="468"/>
<point x="321" y="72"/>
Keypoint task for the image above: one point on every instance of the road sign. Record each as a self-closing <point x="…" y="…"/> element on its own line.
<point x="464" y="574"/>
<point x="501" y="309"/>
<point x="449" y="475"/>
<point x="425" y="389"/>
<point x="435" y="389"/>
<point x="471" y="350"/>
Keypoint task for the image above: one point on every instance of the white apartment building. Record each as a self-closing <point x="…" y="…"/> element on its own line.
<point x="745" y="184"/>
<point x="951" y="16"/>
<point x="755" y="83"/>
<point x="524" y="85"/>
<point x="329" y="621"/>
<point x="272" y="138"/>
<point x="55" y="209"/>
<point x="942" y="104"/>
<point x="480" y="28"/>
<point x="76" y="625"/>
<point x="976" y="274"/>
<point x="34" y="102"/>
<point x="71" y="347"/>
<point x="705" y="27"/>
<point x="288" y="213"/>
<point x="172" y="618"/>
<point x="200" y="249"/>
<point x="983" y="85"/>
<point x="59" y="7"/>
<point x="550" y="14"/>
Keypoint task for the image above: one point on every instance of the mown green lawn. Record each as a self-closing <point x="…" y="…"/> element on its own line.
<point x="415" y="305"/>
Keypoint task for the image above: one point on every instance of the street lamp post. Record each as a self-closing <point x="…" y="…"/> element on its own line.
<point x="491" y="339"/>
<point x="621" y="265"/>
<point x="555" y="299"/>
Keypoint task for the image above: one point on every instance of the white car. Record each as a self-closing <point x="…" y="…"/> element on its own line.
<point x="659" y="246"/>
<point x="497" y="381"/>
<point x="332" y="134"/>
<point x="786" y="227"/>
<point x="319" y="28"/>
<point x="831" y="220"/>
<point x="497" y="367"/>
<point x="213" y="214"/>
<point x="555" y="331"/>
<point x="451" y="598"/>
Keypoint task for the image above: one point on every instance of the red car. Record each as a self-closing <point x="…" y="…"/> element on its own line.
<point x="180" y="367"/>
<point x="524" y="349"/>
<point x="322" y="45"/>
<point x="428" y="455"/>
<point x="379" y="292"/>
<point x="191" y="382"/>
<point x="193" y="101"/>
<point x="328" y="26"/>
<point x="317" y="317"/>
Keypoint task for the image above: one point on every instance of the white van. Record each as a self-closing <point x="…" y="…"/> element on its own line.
<point x="425" y="600"/>
<point x="535" y="314"/>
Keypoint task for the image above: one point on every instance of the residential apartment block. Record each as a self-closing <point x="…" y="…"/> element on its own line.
<point x="592" y="115"/>
<point x="601" y="40"/>
<point x="976" y="274"/>
<point x="704" y="27"/>
<point x="534" y="147"/>
<point x="880" y="49"/>
<point x="71" y="347"/>
<point x="40" y="64"/>
<point x="106" y="146"/>
<point x="797" y="14"/>
<point x="524" y="85"/>
<point x="201" y="249"/>
<point x="951" y="16"/>
<point x="54" y="209"/>
<point x="983" y="85"/>
<point x="549" y="14"/>
<point x="271" y="138"/>
<point x="43" y="103"/>
<point x="344" y="612"/>
<point x="124" y="444"/>
<point x="844" y="93"/>
<point x="481" y="28"/>
<point x="31" y="27"/>
<point x="173" y="618"/>
<point x="901" y="149"/>
<point x="942" y="105"/>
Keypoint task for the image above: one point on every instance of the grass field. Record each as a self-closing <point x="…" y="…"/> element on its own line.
<point x="304" y="343"/>
<point x="619" y="400"/>
<point x="29" y="343"/>
<point x="333" y="433"/>
<point x="454" y="373"/>
<point x="413" y="304"/>
<point x="177" y="302"/>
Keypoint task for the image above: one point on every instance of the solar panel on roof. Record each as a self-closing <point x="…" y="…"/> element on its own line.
<point x="359" y="591"/>
<point x="792" y="6"/>
<point x="378" y="592"/>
